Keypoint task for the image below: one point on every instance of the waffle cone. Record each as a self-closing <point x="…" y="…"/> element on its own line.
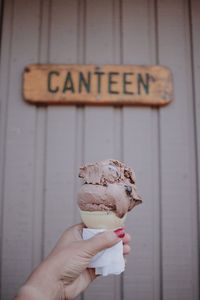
<point x="101" y="219"/>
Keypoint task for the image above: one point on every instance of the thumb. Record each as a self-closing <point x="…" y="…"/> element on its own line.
<point x="101" y="242"/>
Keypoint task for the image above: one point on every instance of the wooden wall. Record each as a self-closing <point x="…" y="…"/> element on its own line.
<point x="41" y="148"/>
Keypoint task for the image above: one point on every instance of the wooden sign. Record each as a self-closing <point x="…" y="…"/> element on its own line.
<point x="98" y="85"/>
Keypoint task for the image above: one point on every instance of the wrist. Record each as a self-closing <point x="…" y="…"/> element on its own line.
<point x="27" y="292"/>
<point x="41" y="285"/>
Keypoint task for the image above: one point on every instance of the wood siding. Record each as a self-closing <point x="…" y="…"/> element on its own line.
<point x="41" y="148"/>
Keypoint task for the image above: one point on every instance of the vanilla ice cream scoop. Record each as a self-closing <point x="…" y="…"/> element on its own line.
<point x="108" y="190"/>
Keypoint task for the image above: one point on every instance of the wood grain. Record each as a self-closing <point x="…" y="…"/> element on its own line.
<point x="96" y="84"/>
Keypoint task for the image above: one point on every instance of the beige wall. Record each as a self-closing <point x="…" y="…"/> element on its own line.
<point x="41" y="148"/>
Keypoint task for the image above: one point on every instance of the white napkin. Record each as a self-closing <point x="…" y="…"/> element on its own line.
<point x="109" y="261"/>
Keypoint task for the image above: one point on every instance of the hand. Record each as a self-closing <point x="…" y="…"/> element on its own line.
<point x="64" y="273"/>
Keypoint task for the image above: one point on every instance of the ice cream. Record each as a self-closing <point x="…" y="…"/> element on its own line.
<point x="107" y="194"/>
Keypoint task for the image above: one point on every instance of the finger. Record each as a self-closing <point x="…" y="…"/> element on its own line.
<point x="74" y="233"/>
<point x="126" y="249"/>
<point x="126" y="239"/>
<point x="100" y="242"/>
<point x="75" y="228"/>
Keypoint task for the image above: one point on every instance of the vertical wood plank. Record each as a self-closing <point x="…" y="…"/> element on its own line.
<point x="61" y="128"/>
<point x="100" y="45"/>
<point x="179" y="218"/>
<point x="19" y="160"/>
<point x="4" y="75"/>
<point x="140" y="131"/>
<point x="195" y="39"/>
<point x="40" y="147"/>
<point x="79" y="136"/>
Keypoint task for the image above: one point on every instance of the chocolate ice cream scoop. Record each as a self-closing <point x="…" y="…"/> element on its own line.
<point x="108" y="186"/>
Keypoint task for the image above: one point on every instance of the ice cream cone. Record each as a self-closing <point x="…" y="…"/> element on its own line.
<point x="108" y="193"/>
<point x="102" y="219"/>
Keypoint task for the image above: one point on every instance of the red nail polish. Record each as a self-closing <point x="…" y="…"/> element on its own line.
<point x="120" y="233"/>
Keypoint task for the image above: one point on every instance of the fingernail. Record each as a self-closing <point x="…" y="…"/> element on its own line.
<point x="120" y="232"/>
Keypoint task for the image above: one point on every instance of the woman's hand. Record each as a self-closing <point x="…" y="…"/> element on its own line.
<point x="64" y="273"/>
